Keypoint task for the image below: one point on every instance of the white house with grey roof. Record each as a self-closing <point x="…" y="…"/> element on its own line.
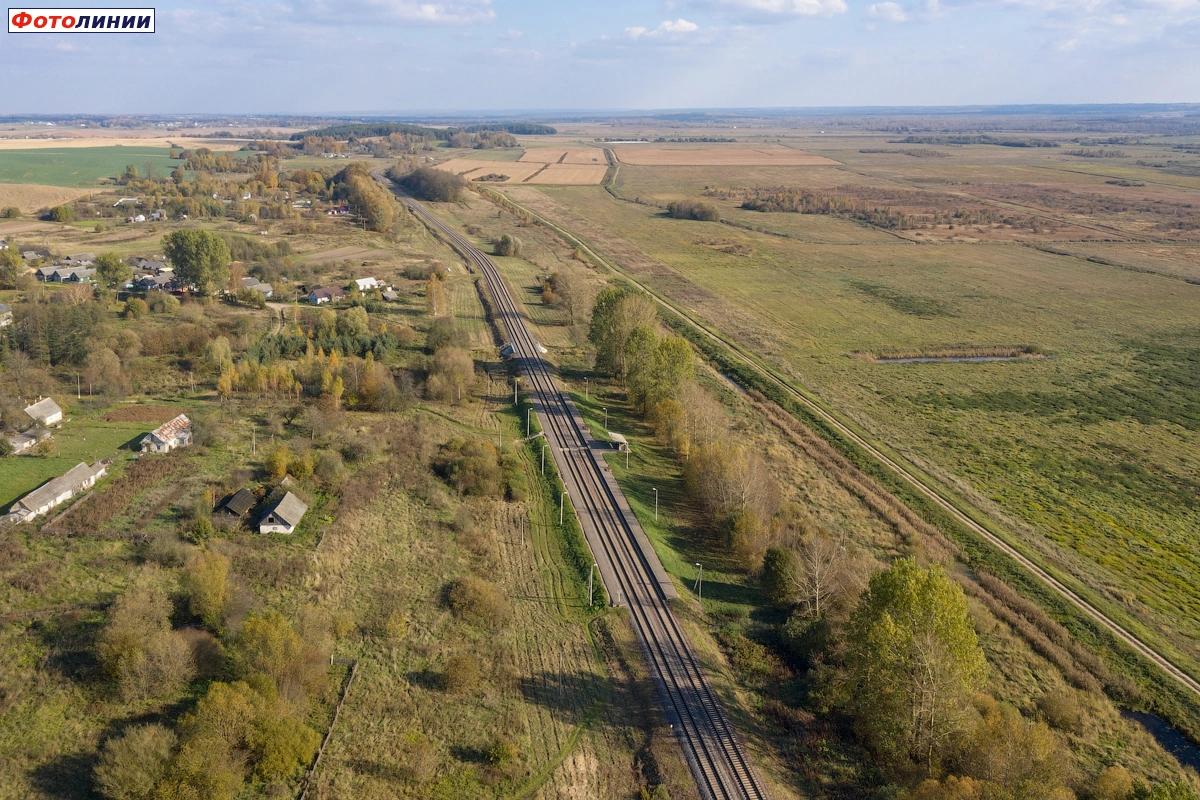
<point x="283" y="515"/>
<point x="57" y="491"/>
<point x="45" y="412"/>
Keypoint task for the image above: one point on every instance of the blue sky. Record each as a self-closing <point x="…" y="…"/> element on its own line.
<point x="326" y="56"/>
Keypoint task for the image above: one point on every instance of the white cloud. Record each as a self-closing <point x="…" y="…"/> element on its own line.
<point x="450" y="12"/>
<point x="788" y="8"/>
<point x="670" y="28"/>
<point x="888" y="11"/>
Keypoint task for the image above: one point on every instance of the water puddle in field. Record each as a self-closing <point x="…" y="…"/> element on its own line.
<point x="1169" y="738"/>
<point x="950" y="359"/>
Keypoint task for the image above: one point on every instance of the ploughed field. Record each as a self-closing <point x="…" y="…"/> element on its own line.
<point x="1088" y="451"/>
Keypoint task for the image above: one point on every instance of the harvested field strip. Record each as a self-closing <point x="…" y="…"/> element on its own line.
<point x="539" y="172"/>
<point x="730" y="155"/>
<point x="141" y="476"/>
<point x="569" y="174"/>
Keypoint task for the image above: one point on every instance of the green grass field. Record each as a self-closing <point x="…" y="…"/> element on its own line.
<point x="84" y="437"/>
<point x="81" y="166"/>
<point x="1089" y="455"/>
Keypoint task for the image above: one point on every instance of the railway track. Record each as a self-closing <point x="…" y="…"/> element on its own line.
<point x="629" y="568"/>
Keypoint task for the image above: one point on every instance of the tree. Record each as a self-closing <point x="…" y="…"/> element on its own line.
<point x="102" y="371"/>
<point x="10" y="212"/>
<point x="132" y="765"/>
<point x="137" y="647"/>
<point x="201" y="258"/>
<point x="913" y="663"/>
<point x="12" y="266"/>
<point x="572" y="294"/>
<point x="268" y="645"/>
<point x="451" y="375"/>
<point x="136" y="308"/>
<point x="656" y="366"/>
<point x="428" y="183"/>
<point x="113" y="271"/>
<point x="508" y="246"/>
<point x="354" y="322"/>
<point x="208" y="587"/>
<point x="1015" y="757"/>
<point x="779" y="576"/>
<point x="616" y="314"/>
<point x="693" y="209"/>
<point x="61" y="214"/>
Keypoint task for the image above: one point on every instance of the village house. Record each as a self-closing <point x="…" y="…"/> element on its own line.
<point x="169" y="436"/>
<point x="72" y="275"/>
<point x="6" y="315"/>
<point x="80" y="260"/>
<point x="45" y="412"/>
<point x="43" y="273"/>
<point x="23" y="442"/>
<point x="30" y="255"/>
<point x="326" y="294"/>
<point x="366" y="284"/>
<point x="57" y="491"/>
<point x="283" y="515"/>
<point x="148" y="283"/>
<point x="236" y="505"/>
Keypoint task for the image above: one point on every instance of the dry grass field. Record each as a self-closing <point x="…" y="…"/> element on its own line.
<point x="30" y="197"/>
<point x="570" y="174"/>
<point x="1063" y="448"/>
<point x="555" y="155"/>
<point x="717" y="155"/>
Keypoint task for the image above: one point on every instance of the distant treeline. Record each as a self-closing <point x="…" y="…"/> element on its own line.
<point x="693" y="139"/>
<point x="981" y="138"/>
<point x="372" y="130"/>
<point x="1102" y="152"/>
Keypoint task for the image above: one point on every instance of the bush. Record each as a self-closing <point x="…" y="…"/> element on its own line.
<point x="208" y="587"/>
<point x="135" y="308"/>
<point x="137" y="647"/>
<point x="472" y="467"/>
<point x="132" y="765"/>
<point x="693" y="209"/>
<point x="1061" y="709"/>
<point x="1114" y="783"/>
<point x="60" y="214"/>
<point x="462" y="673"/>
<point x="477" y="601"/>
<point x="10" y="212"/>
<point x="329" y="468"/>
<point x="162" y="302"/>
<point x="508" y="246"/>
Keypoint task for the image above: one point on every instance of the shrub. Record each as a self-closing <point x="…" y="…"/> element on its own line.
<point x="132" y="765"/>
<point x="329" y="468"/>
<point x="208" y="587"/>
<point x="462" y="673"/>
<point x="693" y="209"/>
<point x="10" y="212"/>
<point x="508" y="245"/>
<point x="1114" y="783"/>
<point x="137" y="647"/>
<point x="135" y="308"/>
<point x="1061" y="709"/>
<point x="472" y="467"/>
<point x="477" y="601"/>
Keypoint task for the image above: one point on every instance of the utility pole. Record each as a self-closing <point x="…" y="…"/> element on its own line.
<point x="515" y="379"/>
<point x="78" y="395"/>
<point x="253" y="441"/>
<point x="562" y="496"/>
<point x="585" y="389"/>
<point x="606" y="418"/>
<point x="699" y="585"/>
<point x="627" y="449"/>
<point x="591" y="570"/>
<point x="656" y="504"/>
<point x="527" y="410"/>
<point x="543" y="458"/>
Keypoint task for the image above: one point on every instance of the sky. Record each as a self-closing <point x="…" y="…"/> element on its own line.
<point x="397" y="56"/>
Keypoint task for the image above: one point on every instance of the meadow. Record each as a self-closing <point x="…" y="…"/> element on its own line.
<point x="1087" y="454"/>
<point x="81" y="166"/>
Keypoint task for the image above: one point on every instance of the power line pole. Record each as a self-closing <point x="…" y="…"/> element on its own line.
<point x="527" y="410"/>
<point x="699" y="586"/>
<point x="562" y="496"/>
<point x="591" y="570"/>
<point x="543" y="458"/>
<point x="606" y="418"/>
<point x="656" y="504"/>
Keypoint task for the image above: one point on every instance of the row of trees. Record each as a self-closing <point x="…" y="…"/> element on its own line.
<point x="428" y="183"/>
